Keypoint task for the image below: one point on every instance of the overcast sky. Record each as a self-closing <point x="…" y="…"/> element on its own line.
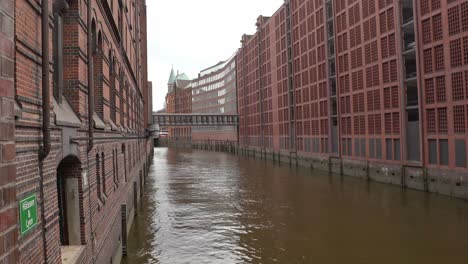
<point x="194" y="35"/>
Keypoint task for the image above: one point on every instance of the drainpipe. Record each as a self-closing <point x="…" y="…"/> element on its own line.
<point x="90" y="80"/>
<point x="45" y="80"/>
<point x="45" y="150"/>
<point x="90" y="110"/>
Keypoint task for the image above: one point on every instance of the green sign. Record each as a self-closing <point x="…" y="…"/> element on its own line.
<point x="28" y="214"/>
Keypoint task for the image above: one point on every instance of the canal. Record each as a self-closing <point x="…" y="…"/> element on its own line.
<point x="207" y="207"/>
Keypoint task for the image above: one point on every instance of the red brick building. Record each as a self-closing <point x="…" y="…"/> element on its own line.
<point x="179" y="101"/>
<point x="78" y="127"/>
<point x="214" y="92"/>
<point x="371" y="88"/>
<point x="9" y="252"/>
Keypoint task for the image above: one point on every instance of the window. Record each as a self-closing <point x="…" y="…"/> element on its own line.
<point x="460" y="153"/>
<point x="97" y="60"/>
<point x="443" y="152"/>
<point x="60" y="8"/>
<point x="113" y="93"/>
<point x="103" y="173"/>
<point x="98" y="176"/>
<point x="125" y="162"/>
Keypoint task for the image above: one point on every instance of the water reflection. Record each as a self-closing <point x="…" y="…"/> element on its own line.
<point x="204" y="207"/>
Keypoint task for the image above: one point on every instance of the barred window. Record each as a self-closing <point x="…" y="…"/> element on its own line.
<point x="465" y="50"/>
<point x="439" y="57"/>
<point x="464" y="16"/>
<point x="375" y="75"/>
<point x="430" y="94"/>
<point x="455" y="53"/>
<point x="383" y="22"/>
<point x="391" y="45"/>
<point x="390" y="19"/>
<point x="384" y="44"/>
<point x="424" y="7"/>
<point x="395" y="97"/>
<point x="442" y="120"/>
<point x="431" y="123"/>
<point x="396" y="122"/>
<point x="437" y="27"/>
<point x="440" y="89"/>
<point x="435" y="4"/>
<point x="459" y="119"/>
<point x="426" y="31"/>
<point x="428" y="60"/>
<point x="388" y="123"/>
<point x="457" y="86"/>
<point x="386" y="72"/>
<point x="393" y="71"/>
<point x="454" y="20"/>
<point x="382" y="3"/>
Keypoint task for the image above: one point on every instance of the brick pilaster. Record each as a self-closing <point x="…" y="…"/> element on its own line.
<point x="8" y="207"/>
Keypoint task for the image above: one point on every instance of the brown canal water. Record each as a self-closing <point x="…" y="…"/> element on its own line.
<point x="206" y="207"/>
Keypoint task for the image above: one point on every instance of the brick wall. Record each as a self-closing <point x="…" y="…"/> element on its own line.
<point x="8" y="205"/>
<point x="362" y="82"/>
<point x="98" y="219"/>
<point x="179" y="101"/>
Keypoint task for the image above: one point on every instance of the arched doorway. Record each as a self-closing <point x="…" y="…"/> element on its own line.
<point x="68" y="195"/>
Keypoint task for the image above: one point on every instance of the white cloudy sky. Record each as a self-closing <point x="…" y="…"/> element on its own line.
<point x="194" y="35"/>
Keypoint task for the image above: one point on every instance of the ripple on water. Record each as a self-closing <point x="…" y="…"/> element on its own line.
<point x="204" y="207"/>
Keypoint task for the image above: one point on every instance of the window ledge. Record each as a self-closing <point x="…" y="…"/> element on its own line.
<point x="71" y="254"/>
<point x="64" y="114"/>
<point x="98" y="123"/>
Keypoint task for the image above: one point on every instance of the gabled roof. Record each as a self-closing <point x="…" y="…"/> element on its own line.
<point x="182" y="84"/>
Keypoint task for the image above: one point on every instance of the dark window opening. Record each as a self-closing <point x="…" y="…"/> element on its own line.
<point x="460" y="153"/>
<point x="407" y="11"/>
<point x="396" y="148"/>
<point x="378" y="149"/>
<point x="389" y="152"/>
<point x="410" y="67"/>
<point x="432" y="151"/>
<point x="443" y="152"/>
<point x="412" y="95"/>
<point x="413" y="136"/>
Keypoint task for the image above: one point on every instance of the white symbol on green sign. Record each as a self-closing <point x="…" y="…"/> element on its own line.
<point x="28" y="214"/>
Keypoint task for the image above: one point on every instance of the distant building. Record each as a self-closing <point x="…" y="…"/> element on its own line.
<point x="214" y="92"/>
<point x="178" y="101"/>
<point x="373" y="86"/>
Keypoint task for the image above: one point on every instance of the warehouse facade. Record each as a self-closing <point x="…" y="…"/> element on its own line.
<point x="214" y="92"/>
<point x="371" y="88"/>
<point x="79" y="146"/>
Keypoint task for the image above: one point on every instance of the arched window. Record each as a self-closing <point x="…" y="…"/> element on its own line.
<point x="59" y="10"/>
<point x="122" y="99"/>
<point x="125" y="162"/>
<point x="98" y="177"/>
<point x="113" y="93"/>
<point x="116" y="170"/>
<point x="129" y="99"/>
<point x="103" y="173"/>
<point x="98" y="75"/>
